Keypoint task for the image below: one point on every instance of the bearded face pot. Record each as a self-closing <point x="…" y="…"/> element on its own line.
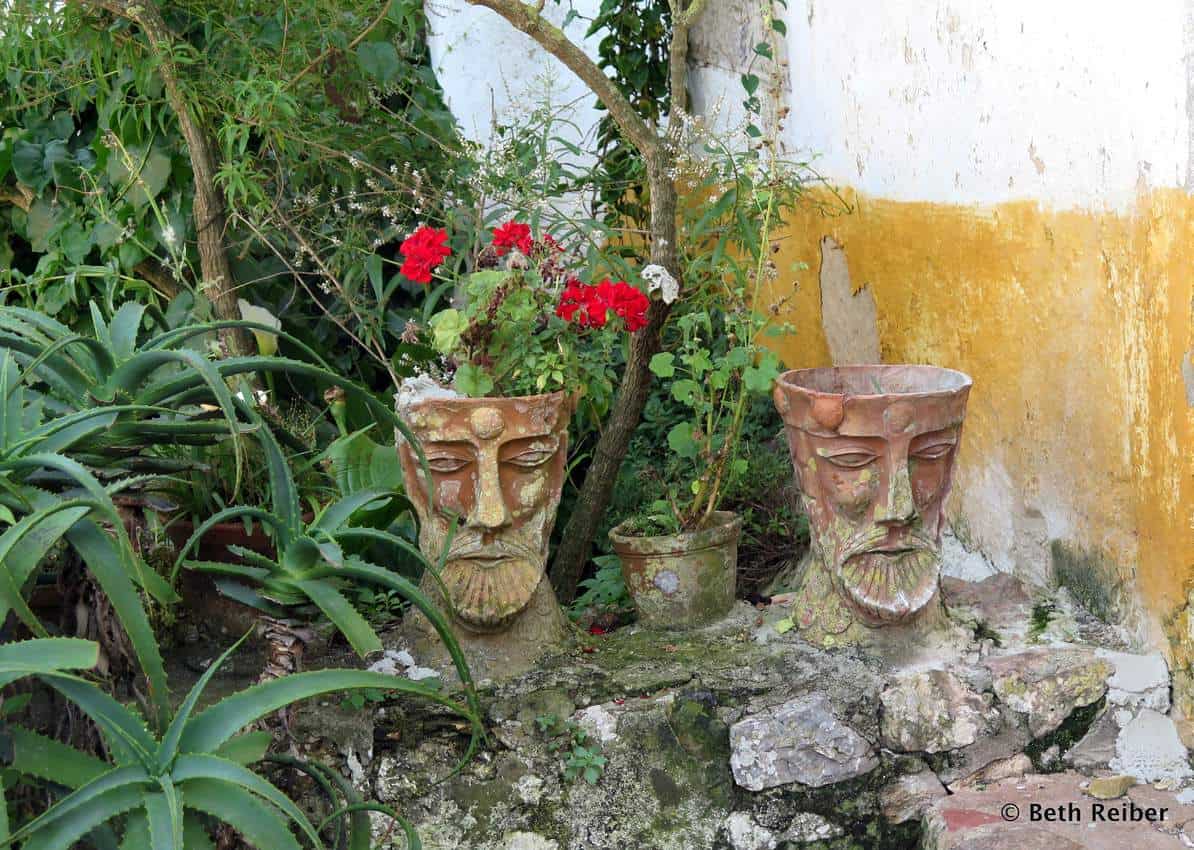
<point x="496" y="470"/>
<point x="874" y="450"/>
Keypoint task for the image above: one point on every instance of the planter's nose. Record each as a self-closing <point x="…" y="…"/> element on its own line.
<point x="900" y="507"/>
<point x="489" y="505"/>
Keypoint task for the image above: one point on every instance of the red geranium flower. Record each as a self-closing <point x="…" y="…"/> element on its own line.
<point x="422" y="251"/>
<point x="513" y="234"/>
<point x="627" y="302"/>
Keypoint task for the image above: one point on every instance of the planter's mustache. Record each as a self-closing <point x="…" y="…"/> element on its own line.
<point x="472" y="548"/>
<point x="867" y="541"/>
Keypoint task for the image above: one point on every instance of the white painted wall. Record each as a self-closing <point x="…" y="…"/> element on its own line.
<point x="488" y="69"/>
<point x="1071" y="103"/>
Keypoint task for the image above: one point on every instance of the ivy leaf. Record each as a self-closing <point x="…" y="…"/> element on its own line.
<point x="779" y="26"/>
<point x="662" y="365"/>
<point x="28" y="164"/>
<point x="5" y="159"/>
<point x="681" y="441"/>
<point x="763" y="49"/>
<point x="380" y="61"/>
<point x="472" y="381"/>
<point x="685" y="391"/>
<point x="750" y="82"/>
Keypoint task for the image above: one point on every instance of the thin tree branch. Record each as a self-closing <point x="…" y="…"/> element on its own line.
<point x="528" y="20"/>
<point x="381" y="16"/>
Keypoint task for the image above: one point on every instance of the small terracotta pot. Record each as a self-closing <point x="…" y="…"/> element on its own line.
<point x="682" y="581"/>
<point x="213" y="546"/>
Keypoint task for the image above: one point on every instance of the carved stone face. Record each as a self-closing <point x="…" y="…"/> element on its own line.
<point x="497" y="466"/>
<point x="874" y="450"/>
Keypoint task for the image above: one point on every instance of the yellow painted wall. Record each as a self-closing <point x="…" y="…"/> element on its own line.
<point x="1073" y="325"/>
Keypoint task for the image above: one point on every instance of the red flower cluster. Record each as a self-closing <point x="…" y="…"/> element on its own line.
<point x="589" y="306"/>
<point x="422" y="251"/>
<point x="513" y="234"/>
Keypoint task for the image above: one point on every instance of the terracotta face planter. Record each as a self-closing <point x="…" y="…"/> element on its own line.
<point x="681" y="581"/>
<point x="874" y="450"/>
<point x="497" y="465"/>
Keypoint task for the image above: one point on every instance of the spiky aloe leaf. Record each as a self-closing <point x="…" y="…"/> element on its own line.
<point x="258" y="822"/>
<point x="344" y="617"/>
<point x="63" y="834"/>
<point x="126" y="735"/>
<point x="22" y="546"/>
<point x="44" y="758"/>
<point x="45" y="655"/>
<point x="132" y="776"/>
<point x="216" y="724"/>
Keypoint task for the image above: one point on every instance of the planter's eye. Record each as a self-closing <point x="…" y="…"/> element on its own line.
<point x="936" y="451"/>
<point x="531" y="458"/>
<point x="447" y="464"/>
<point x="852" y="459"/>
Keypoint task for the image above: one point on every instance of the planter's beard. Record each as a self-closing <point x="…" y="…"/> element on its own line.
<point x="490" y="584"/>
<point x="885" y="586"/>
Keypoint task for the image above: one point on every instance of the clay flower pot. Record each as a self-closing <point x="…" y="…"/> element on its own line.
<point x="496" y="469"/>
<point x="681" y="581"/>
<point x="874" y="450"/>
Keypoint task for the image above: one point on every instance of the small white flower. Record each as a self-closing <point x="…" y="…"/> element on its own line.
<point x="657" y="277"/>
<point x="169" y="236"/>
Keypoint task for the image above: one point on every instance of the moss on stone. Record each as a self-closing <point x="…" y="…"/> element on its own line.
<point x="1072" y="730"/>
<point x="1091" y="578"/>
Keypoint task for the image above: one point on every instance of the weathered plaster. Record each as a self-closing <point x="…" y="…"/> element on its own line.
<point x="848" y="316"/>
<point x="1073" y="325"/>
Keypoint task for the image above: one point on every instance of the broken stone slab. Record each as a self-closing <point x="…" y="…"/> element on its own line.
<point x="977" y="818"/>
<point x="1139" y="681"/>
<point x="1007" y="768"/>
<point x="799" y="741"/>
<point x="744" y="834"/>
<point x="933" y="711"/>
<point x="1097" y="747"/>
<point x="1110" y="787"/>
<point x="1000" y="603"/>
<point x="807" y="827"/>
<point x="1047" y="684"/>
<point x="910" y="796"/>
<point x="1149" y="749"/>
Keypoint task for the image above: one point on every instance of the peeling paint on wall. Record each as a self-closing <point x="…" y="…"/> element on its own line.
<point x="848" y="317"/>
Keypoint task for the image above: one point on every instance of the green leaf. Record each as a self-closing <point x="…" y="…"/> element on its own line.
<point x="763" y="49"/>
<point x="147" y="179"/>
<point x="446" y="328"/>
<point x="28" y="165"/>
<point x="685" y="391"/>
<point x="750" y="82"/>
<point x="472" y="381"/>
<point x="663" y="365"/>
<point x="193" y="767"/>
<point x="112" y="780"/>
<point x="44" y="758"/>
<point x="680" y="440"/>
<point x="165" y="823"/>
<point x="344" y="617"/>
<point x="380" y="61"/>
<point x="47" y="655"/>
<point x="373" y="267"/>
<point x="41" y="221"/>
<point x="122" y="729"/>
<point x="259" y="823"/>
<point x="247" y="748"/>
<point x="217" y="724"/>
<point x="65" y="832"/>
<point x="779" y="26"/>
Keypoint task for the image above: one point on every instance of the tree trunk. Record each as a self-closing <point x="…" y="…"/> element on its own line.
<point x="208" y="208"/>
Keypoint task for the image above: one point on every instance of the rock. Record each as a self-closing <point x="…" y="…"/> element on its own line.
<point x="933" y="711"/>
<point x="1048" y="684"/>
<point x="1139" y="681"/>
<point x="529" y="789"/>
<point x="1097" y="747"/>
<point x="528" y="841"/>
<point x="984" y="753"/>
<point x="744" y="834"/>
<point x="1008" y="768"/>
<point x="1149" y="749"/>
<point x="799" y="741"/>
<point x="910" y="796"/>
<point x="1000" y="604"/>
<point x="392" y="781"/>
<point x="599" y="722"/>
<point x="806" y="827"/>
<point x="979" y="818"/>
<point x="1110" y="787"/>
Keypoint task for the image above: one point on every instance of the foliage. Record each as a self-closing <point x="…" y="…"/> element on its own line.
<point x="633" y="52"/>
<point x="327" y="122"/>
<point x="605" y="591"/>
<point x="535" y="327"/>
<point x="581" y="754"/>
<point x="169" y="785"/>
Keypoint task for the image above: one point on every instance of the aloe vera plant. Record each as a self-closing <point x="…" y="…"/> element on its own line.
<point x="165" y="790"/>
<point x="310" y="567"/>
